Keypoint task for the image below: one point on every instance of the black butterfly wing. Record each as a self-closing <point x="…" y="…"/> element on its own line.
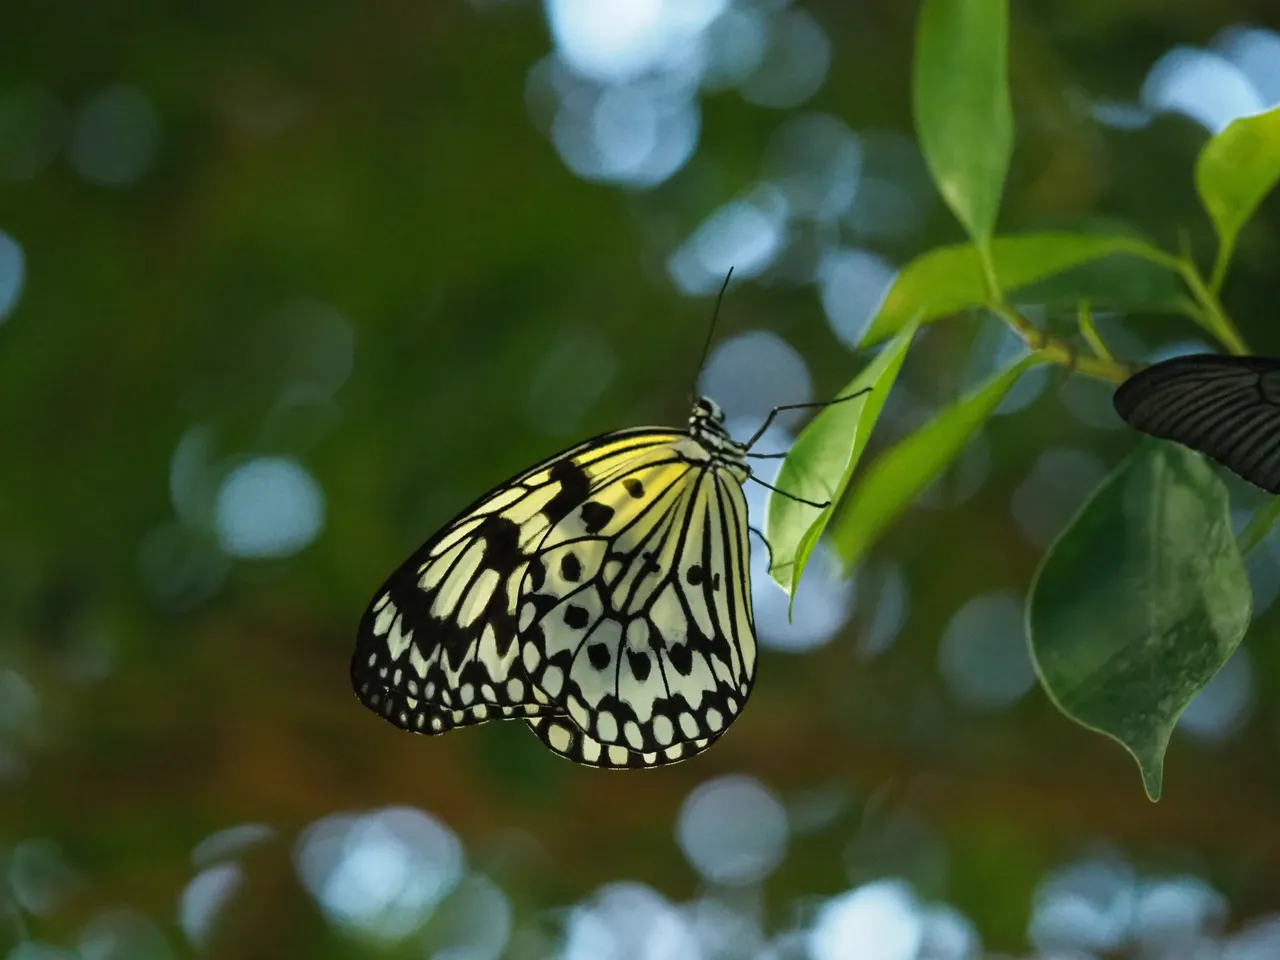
<point x="1223" y="406"/>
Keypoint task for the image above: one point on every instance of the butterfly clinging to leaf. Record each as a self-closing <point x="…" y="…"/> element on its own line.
<point x="602" y="596"/>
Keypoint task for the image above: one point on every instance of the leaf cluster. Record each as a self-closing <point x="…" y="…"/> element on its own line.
<point x="1144" y="596"/>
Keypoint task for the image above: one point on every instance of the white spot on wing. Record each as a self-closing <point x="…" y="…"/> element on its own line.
<point x="415" y="660"/>
<point x="552" y="680"/>
<point x="688" y="726"/>
<point x="663" y="730"/>
<point x="478" y="597"/>
<point x="382" y="622"/>
<point x="559" y="737"/>
<point x="398" y="641"/>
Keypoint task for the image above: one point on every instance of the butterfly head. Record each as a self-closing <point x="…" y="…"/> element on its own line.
<point x="706" y="412"/>
<point x="706" y="425"/>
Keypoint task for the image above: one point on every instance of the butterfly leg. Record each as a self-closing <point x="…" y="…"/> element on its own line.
<point x="789" y="496"/>
<point x="799" y="406"/>
<point x="763" y="539"/>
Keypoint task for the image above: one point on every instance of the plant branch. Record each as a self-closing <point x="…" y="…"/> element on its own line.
<point x="1059" y="351"/>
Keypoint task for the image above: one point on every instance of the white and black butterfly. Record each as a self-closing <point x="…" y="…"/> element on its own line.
<point x="1224" y="406"/>
<point x="601" y="595"/>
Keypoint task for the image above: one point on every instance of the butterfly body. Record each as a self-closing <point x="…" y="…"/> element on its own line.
<point x="601" y="595"/>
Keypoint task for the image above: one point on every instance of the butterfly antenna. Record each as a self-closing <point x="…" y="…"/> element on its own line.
<point x="706" y="347"/>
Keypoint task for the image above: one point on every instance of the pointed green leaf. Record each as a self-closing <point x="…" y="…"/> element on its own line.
<point x="961" y="104"/>
<point x="1140" y="601"/>
<point x="902" y="472"/>
<point x="949" y="279"/>
<point x="1234" y="171"/>
<point x="821" y="461"/>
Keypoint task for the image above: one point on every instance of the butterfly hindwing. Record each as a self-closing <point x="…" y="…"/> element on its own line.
<point x="438" y="647"/>
<point x="562" y="736"/>
<point x="651" y="645"/>
<point x="1226" y="407"/>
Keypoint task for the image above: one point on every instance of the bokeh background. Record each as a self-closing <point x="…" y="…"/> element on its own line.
<point x="284" y="285"/>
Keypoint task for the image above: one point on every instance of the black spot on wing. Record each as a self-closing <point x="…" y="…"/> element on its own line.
<point x="537" y="574"/>
<point x="574" y="488"/>
<point x="716" y="645"/>
<point x="681" y="658"/>
<point x="634" y="487"/>
<point x="570" y="568"/>
<point x="1225" y="407"/>
<point x="576" y="616"/>
<point x="501" y="543"/>
<point x="595" y="516"/>
<point x="598" y="654"/>
<point x="694" y="576"/>
<point x="640" y="665"/>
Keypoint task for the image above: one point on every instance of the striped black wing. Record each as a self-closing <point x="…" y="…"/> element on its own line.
<point x="1225" y="407"/>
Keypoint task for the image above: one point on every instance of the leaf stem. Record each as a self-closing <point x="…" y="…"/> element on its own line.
<point x="1225" y="248"/>
<point x="1259" y="525"/>
<point x="1090" y="332"/>
<point x="1215" y="318"/>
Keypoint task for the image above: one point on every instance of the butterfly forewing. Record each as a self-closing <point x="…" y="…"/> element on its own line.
<point x="438" y="647"/>
<point x="1226" y="407"/>
<point x="636" y="618"/>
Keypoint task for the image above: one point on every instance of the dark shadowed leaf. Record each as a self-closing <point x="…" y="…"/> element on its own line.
<point x="1140" y="601"/>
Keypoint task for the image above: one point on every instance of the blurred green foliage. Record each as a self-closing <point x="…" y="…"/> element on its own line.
<point x="380" y="160"/>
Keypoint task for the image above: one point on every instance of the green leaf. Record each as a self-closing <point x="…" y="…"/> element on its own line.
<point x="821" y="461"/>
<point x="962" y="110"/>
<point x="1140" y="601"/>
<point x="1234" y="171"/>
<point x="949" y="279"/>
<point x="901" y="473"/>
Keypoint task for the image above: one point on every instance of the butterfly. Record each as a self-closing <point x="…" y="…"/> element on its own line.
<point x="602" y="596"/>
<point x="1225" y="406"/>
